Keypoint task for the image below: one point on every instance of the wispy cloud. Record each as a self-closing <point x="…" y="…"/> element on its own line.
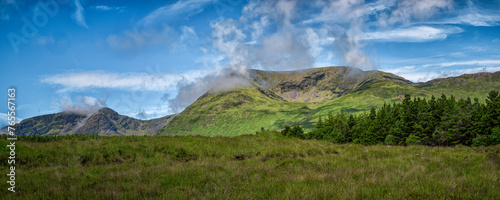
<point x="412" y="34"/>
<point x="423" y="76"/>
<point x="466" y="63"/>
<point x="137" y="39"/>
<point x="108" y="8"/>
<point x="407" y="11"/>
<point x="171" y="11"/>
<point x="79" y="14"/>
<point x="475" y="48"/>
<point x="84" y="105"/>
<point x="422" y="73"/>
<point x="121" y="81"/>
<point x="153" y="30"/>
<point x="476" y="19"/>
<point x="7" y="9"/>
<point x="4" y="122"/>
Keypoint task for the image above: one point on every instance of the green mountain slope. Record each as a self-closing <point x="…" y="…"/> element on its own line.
<point x="473" y="85"/>
<point x="318" y="84"/>
<point x="308" y="94"/>
<point x="236" y="112"/>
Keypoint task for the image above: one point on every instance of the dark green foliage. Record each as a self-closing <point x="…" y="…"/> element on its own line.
<point x="495" y="136"/>
<point x="296" y="131"/>
<point x="437" y="122"/>
<point x="284" y="131"/>
<point x="480" y="140"/>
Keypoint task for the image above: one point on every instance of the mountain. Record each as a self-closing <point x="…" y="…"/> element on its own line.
<point x="277" y="99"/>
<point x="270" y="100"/>
<point x="104" y="122"/>
<point x="319" y="84"/>
<point x="236" y="111"/>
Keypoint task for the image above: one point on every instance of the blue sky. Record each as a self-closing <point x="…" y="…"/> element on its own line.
<point x="147" y="59"/>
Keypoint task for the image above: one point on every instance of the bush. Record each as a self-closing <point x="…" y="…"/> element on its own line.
<point x="285" y="131"/>
<point x="335" y="137"/>
<point x="412" y="140"/>
<point x="296" y="131"/>
<point x="495" y="136"/>
<point x="391" y="140"/>
<point x="480" y="140"/>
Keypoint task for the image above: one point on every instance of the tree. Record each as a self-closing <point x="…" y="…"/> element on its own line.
<point x="286" y="130"/>
<point x="297" y="132"/>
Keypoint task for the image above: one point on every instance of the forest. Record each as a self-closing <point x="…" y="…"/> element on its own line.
<point x="442" y="121"/>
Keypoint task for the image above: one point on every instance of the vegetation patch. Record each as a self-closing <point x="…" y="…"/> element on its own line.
<point x="197" y="167"/>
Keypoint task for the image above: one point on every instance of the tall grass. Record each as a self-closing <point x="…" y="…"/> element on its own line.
<point x="263" y="166"/>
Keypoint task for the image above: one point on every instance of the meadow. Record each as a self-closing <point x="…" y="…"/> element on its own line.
<point x="266" y="165"/>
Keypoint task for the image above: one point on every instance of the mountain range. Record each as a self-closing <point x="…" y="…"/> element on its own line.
<point x="270" y="100"/>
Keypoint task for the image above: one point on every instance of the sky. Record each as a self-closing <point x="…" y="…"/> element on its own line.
<point x="147" y="59"/>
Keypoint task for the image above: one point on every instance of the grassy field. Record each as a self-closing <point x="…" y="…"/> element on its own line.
<point x="263" y="166"/>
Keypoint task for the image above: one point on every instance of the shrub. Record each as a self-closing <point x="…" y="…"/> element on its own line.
<point x="480" y="140"/>
<point x="495" y="136"/>
<point x="412" y="140"/>
<point x="391" y="140"/>
<point x="296" y="131"/>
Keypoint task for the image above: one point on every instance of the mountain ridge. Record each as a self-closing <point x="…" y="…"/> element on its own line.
<point x="104" y="122"/>
<point x="271" y="100"/>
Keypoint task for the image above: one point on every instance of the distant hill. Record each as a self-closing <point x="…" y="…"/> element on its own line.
<point x="105" y="122"/>
<point x="272" y="100"/>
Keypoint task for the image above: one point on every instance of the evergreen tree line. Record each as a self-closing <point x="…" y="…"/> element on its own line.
<point x="436" y="122"/>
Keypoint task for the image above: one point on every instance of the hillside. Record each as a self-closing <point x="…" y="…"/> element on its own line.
<point x="318" y="84"/>
<point x="308" y="94"/>
<point x="234" y="112"/>
<point x="105" y="122"/>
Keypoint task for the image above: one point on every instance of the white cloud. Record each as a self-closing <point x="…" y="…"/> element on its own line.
<point x="422" y="76"/>
<point x="188" y="38"/>
<point x="79" y="14"/>
<point x="409" y="10"/>
<point x="134" y="40"/>
<point x="84" y="105"/>
<point x="153" y="30"/>
<point x="476" y="19"/>
<point x="108" y="8"/>
<point x="121" y="81"/>
<point x="475" y="48"/>
<point x="103" y="7"/>
<point x="422" y="73"/>
<point x="169" y="12"/>
<point x="4" y="122"/>
<point x="412" y="34"/>
<point x="466" y="63"/>
<point x="458" y="54"/>
<point x="43" y="40"/>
